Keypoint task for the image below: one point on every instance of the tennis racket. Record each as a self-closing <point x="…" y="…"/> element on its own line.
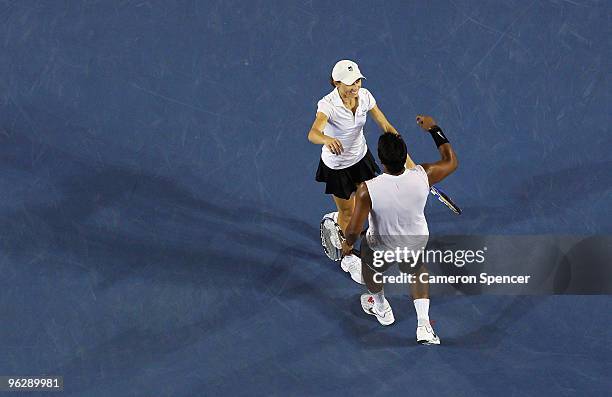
<point x="331" y="238"/>
<point x="443" y="197"/>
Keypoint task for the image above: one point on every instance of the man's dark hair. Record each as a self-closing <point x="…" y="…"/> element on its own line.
<point x="392" y="152"/>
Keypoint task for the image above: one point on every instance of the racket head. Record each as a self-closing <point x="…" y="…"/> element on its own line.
<point x="331" y="239"/>
<point x="445" y="199"/>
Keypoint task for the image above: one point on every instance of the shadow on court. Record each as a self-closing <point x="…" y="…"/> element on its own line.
<point x="159" y="217"/>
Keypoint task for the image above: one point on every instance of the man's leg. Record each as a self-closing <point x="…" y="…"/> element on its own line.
<point x="368" y="275"/>
<point x="374" y="301"/>
<point x="420" y="295"/>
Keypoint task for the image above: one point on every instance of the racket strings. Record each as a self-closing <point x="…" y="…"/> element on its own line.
<point x="331" y="240"/>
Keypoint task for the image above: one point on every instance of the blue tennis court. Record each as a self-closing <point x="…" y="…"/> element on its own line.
<point x="159" y="217"/>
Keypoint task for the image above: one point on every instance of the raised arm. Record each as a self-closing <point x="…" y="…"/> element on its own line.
<point x="448" y="160"/>
<point x="383" y="123"/>
<point x="316" y="135"/>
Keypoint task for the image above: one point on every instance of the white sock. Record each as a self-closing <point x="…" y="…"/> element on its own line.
<point x="422" y="310"/>
<point x="379" y="300"/>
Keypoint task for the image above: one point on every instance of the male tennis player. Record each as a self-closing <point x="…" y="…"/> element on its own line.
<point x="345" y="158"/>
<point x="394" y="204"/>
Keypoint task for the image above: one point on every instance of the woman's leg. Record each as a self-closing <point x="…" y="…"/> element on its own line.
<point x="345" y="210"/>
<point x="350" y="263"/>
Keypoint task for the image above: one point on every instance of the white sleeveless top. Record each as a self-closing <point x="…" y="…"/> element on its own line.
<point x="346" y="127"/>
<point x="397" y="218"/>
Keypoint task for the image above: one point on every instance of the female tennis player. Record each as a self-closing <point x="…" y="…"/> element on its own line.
<point x="346" y="160"/>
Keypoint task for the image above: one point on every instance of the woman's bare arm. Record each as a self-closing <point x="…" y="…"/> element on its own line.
<point x="384" y="125"/>
<point x="316" y="135"/>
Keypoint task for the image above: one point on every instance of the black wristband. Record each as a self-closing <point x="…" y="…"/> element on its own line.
<point x="438" y="135"/>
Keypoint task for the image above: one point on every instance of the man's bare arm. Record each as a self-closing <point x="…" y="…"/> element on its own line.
<point x="448" y="159"/>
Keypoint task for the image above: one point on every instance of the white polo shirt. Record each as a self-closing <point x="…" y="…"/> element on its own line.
<point x="346" y="127"/>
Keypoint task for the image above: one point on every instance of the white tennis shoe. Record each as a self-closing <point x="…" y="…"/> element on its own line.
<point x="352" y="265"/>
<point x="384" y="316"/>
<point x="425" y="335"/>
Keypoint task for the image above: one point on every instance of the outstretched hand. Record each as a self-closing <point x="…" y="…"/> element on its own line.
<point x="425" y="122"/>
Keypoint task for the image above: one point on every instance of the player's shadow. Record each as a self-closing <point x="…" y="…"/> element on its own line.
<point x="144" y="346"/>
<point x="486" y="336"/>
<point x="336" y="298"/>
<point x="585" y="269"/>
<point x="122" y="224"/>
<point x="489" y="335"/>
<point x="364" y="332"/>
<point x="115" y="219"/>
